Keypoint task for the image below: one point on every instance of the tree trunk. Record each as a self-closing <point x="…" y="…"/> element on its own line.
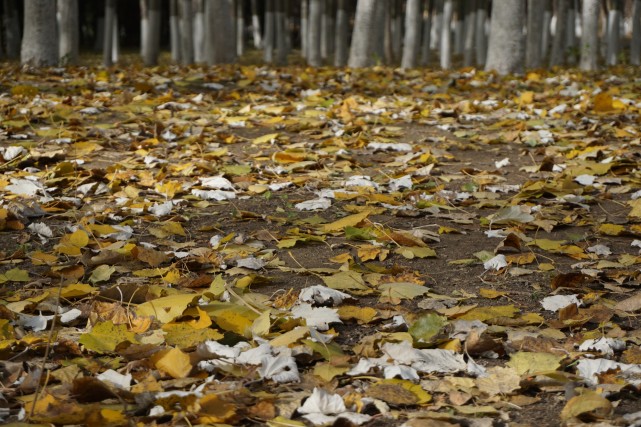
<point x="446" y="35"/>
<point x="11" y="29"/>
<point x="361" y="52"/>
<point x="570" y="35"/>
<point x="397" y="29"/>
<point x="411" y="43"/>
<point x="110" y="18"/>
<point x="546" y="34"/>
<point x="39" y="41"/>
<point x="342" y="34"/>
<point x="614" y="34"/>
<point x="558" y="42"/>
<point x="437" y="24"/>
<point x="458" y="26"/>
<point x="219" y="32"/>
<point x="115" y="40"/>
<point x="635" y="43"/>
<point x="258" y="42"/>
<point x="328" y="25"/>
<point x="388" y="49"/>
<point x="174" y="30"/>
<point x="280" y="20"/>
<point x="240" y="28"/>
<point x="533" y="40"/>
<point x="470" y="31"/>
<point x="590" y="35"/>
<point x="150" y="31"/>
<point x="427" y="32"/>
<point x="481" y="38"/>
<point x="506" y="46"/>
<point x="199" y="30"/>
<point x="186" y="32"/>
<point x="304" y="28"/>
<point x="270" y="28"/>
<point x="314" y="33"/>
<point x="69" y="30"/>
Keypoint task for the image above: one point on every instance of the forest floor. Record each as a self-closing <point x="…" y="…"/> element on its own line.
<point x="257" y="246"/>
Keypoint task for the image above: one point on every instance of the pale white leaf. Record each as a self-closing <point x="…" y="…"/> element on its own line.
<point x="321" y="295"/>
<point x="281" y="368"/>
<point x="161" y="209"/>
<point x="495" y="263"/>
<point x="604" y="345"/>
<point x="502" y="163"/>
<point x="70" y="315"/>
<point x="508" y="214"/>
<point x="218" y="195"/>
<point x="322" y="402"/>
<point x="12" y="152"/>
<point x="400" y="371"/>
<point x="585" y="179"/>
<point x="24" y="187"/>
<point x="314" y="204"/>
<point x="316" y="317"/>
<point x="115" y="378"/>
<point x="400" y="183"/>
<point x="601" y="250"/>
<point x="251" y="262"/>
<point x="557" y="302"/>
<point x="217" y="183"/>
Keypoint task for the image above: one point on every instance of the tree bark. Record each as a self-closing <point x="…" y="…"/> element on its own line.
<point x="280" y="20"/>
<point x="427" y="32"/>
<point x="590" y="35"/>
<point x="411" y="43"/>
<point x="314" y="34"/>
<point x="110" y="19"/>
<point x="397" y="29"/>
<point x="614" y="35"/>
<point x="219" y="32"/>
<point x="506" y="45"/>
<point x="199" y="30"/>
<point x="469" y="32"/>
<point x="240" y="28"/>
<point x="39" y="41"/>
<point x="533" y="48"/>
<point x="150" y="26"/>
<point x="458" y="25"/>
<point x="635" y="43"/>
<point x="342" y="34"/>
<point x="328" y="25"/>
<point x="361" y="52"/>
<point x="270" y="29"/>
<point x="258" y="42"/>
<point x="174" y="31"/>
<point x="69" y="30"/>
<point x="446" y="35"/>
<point x="186" y="32"/>
<point x="558" y="42"/>
<point x="437" y="24"/>
<point x="11" y="29"/>
<point x="570" y="35"/>
<point x="546" y="34"/>
<point x="481" y="38"/>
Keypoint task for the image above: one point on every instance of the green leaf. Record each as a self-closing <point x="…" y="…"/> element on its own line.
<point x="102" y="273"/>
<point x="427" y="327"/>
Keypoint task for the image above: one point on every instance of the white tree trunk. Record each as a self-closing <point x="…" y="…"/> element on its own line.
<point x="558" y="42"/>
<point x="427" y="32"/>
<point x="614" y="35"/>
<point x="150" y="31"/>
<point x="361" y="52"/>
<point x="219" y="32"/>
<point x="506" y="46"/>
<point x="481" y="37"/>
<point x="39" y="41"/>
<point x="11" y="29"/>
<point x="470" y="31"/>
<point x="270" y="31"/>
<point x="240" y="28"/>
<point x="533" y="50"/>
<point x="198" y="7"/>
<point x="411" y="43"/>
<point x="590" y="34"/>
<point x="635" y="42"/>
<point x="68" y="31"/>
<point x="186" y="32"/>
<point x="437" y="24"/>
<point x="342" y="34"/>
<point x="314" y="33"/>
<point x="174" y="31"/>
<point x="110" y="18"/>
<point x="258" y="41"/>
<point x="446" y="35"/>
<point x="546" y="34"/>
<point x="304" y="28"/>
<point x="115" y="40"/>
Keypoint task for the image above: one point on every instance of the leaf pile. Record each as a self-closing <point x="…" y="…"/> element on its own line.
<point x="286" y="247"/>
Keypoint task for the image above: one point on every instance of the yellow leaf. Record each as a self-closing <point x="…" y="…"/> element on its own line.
<point x="491" y="293"/>
<point x="233" y="318"/>
<point x="327" y="371"/>
<point x="527" y="97"/>
<point x="214" y="410"/>
<point x="173" y="362"/>
<point x="499" y="380"/>
<point x="261" y="325"/>
<point x="399" y="392"/>
<point x="530" y="363"/>
<point x="411" y="252"/>
<point x="169" y="188"/>
<point x="348" y="221"/>
<point x="77" y="290"/>
<point x="636" y="209"/>
<point x="50" y="410"/>
<point x="603" y="103"/>
<point x="105" y="337"/>
<point x="588" y="402"/>
<point x="360" y="314"/>
<point x="204" y="321"/>
<point x="265" y="138"/>
<point x="168" y="308"/>
<point x="184" y="336"/>
<point x="488" y="313"/>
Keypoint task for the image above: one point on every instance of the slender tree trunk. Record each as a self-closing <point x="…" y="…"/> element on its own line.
<point x="570" y="35"/>
<point x="280" y="19"/>
<point x="397" y="29"/>
<point x="614" y="32"/>
<point x="39" y="42"/>
<point x="533" y="40"/>
<point x="590" y="35"/>
<point x="115" y="39"/>
<point x="362" y="50"/>
<point x="270" y="29"/>
<point x="11" y="29"/>
<point x="110" y="17"/>
<point x="446" y="35"/>
<point x="328" y="25"/>
<point x="256" y="36"/>
<point x="198" y="7"/>
<point x="558" y="42"/>
<point x="506" y="46"/>
<point x="388" y="48"/>
<point x="304" y="28"/>
<point x="459" y="28"/>
<point x="240" y="28"/>
<point x="219" y="32"/>
<point x="69" y="37"/>
<point x="314" y="39"/>
<point x="411" y="44"/>
<point x="174" y="31"/>
<point x="546" y="34"/>
<point x="481" y="38"/>
<point x="427" y="32"/>
<point x="150" y="28"/>
<point x="186" y="32"/>
<point x="635" y="43"/>
<point x="144" y="28"/>
<point x="342" y="34"/>
<point x="437" y="24"/>
<point x="470" y="31"/>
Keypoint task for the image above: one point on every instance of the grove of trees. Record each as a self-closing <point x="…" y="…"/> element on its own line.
<point x="503" y="35"/>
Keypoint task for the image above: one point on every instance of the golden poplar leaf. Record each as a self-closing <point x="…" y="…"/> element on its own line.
<point x="173" y="362"/>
